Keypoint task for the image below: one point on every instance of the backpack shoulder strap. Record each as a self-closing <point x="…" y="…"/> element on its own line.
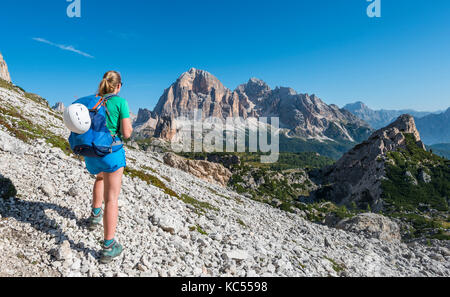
<point x="103" y="101"/>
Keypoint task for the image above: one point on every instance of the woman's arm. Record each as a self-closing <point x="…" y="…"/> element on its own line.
<point x="126" y="128"/>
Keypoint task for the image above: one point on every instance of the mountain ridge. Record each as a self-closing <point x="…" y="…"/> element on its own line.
<point x="435" y="128"/>
<point x="301" y="115"/>
<point x="383" y="117"/>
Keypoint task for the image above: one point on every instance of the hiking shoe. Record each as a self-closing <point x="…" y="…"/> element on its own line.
<point x="110" y="252"/>
<point x="95" y="220"/>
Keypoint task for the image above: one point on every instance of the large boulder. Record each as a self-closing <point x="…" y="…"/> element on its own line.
<point x="372" y="225"/>
<point x="211" y="172"/>
<point x="11" y="145"/>
<point x="167" y="222"/>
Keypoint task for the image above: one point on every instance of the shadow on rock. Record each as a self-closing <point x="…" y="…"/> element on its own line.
<point x="33" y="213"/>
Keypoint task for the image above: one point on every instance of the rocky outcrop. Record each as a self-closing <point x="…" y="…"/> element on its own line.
<point x="144" y="124"/>
<point x="211" y="172"/>
<point x="143" y="116"/>
<point x="4" y="73"/>
<point x="133" y="117"/>
<point x="59" y="107"/>
<point x="356" y="177"/>
<point x="302" y="115"/>
<point x="373" y="226"/>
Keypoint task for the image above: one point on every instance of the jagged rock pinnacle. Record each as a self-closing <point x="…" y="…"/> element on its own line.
<point x="4" y="73"/>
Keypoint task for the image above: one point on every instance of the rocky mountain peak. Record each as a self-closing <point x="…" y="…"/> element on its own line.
<point x="199" y="81"/>
<point x="4" y="73"/>
<point x="285" y="91"/>
<point x="143" y="116"/>
<point x="384" y="140"/>
<point x="59" y="107"/>
<point x="356" y="106"/>
<point x="257" y="83"/>
<point x="357" y="176"/>
<point x="255" y="89"/>
<point x="406" y="124"/>
<point x="144" y="123"/>
<point x="196" y="90"/>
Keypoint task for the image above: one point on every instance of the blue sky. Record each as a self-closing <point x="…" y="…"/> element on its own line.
<point x="327" y="47"/>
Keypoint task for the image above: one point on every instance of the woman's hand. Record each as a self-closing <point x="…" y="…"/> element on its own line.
<point x="126" y="128"/>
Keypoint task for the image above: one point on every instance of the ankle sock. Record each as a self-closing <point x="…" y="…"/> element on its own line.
<point x="107" y="243"/>
<point x="96" y="211"/>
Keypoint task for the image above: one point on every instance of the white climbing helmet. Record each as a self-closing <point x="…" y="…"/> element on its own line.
<point x="77" y="118"/>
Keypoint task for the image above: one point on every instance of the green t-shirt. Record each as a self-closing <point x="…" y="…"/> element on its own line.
<point x="118" y="110"/>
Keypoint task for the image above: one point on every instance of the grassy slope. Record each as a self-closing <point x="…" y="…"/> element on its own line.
<point x="330" y="149"/>
<point x="275" y="186"/>
<point x="425" y="205"/>
<point x="24" y="129"/>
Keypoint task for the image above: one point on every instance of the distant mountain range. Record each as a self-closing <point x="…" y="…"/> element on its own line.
<point x="434" y="127"/>
<point x="441" y="149"/>
<point x="380" y="118"/>
<point x="305" y="119"/>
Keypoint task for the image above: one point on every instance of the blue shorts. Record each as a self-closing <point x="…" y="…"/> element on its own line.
<point x="109" y="164"/>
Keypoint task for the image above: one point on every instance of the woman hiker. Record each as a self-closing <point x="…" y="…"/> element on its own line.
<point x="109" y="169"/>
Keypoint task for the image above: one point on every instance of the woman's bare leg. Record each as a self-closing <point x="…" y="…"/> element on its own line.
<point x="98" y="191"/>
<point x="113" y="184"/>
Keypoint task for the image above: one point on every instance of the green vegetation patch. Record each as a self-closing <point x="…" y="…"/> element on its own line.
<point x="27" y="131"/>
<point x="336" y="267"/>
<point x="38" y="99"/>
<point x="331" y="149"/>
<point x="240" y="222"/>
<point x="281" y="181"/>
<point x="199" y="205"/>
<point x="150" y="179"/>
<point x="401" y="194"/>
<point x="218" y="194"/>
<point x="423" y="206"/>
<point x="9" y="86"/>
<point x="200" y="230"/>
<point x="59" y="142"/>
<point x="317" y="211"/>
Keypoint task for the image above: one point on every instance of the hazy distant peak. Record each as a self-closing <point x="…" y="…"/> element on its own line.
<point x="356" y="106"/>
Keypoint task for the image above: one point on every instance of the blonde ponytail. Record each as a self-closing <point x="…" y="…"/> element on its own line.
<point x="111" y="80"/>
